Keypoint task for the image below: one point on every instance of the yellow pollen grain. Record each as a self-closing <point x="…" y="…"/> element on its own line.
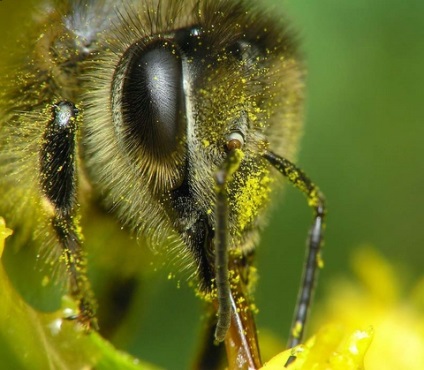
<point x="253" y="195"/>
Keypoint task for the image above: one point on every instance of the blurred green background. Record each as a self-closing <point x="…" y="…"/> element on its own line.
<point x="362" y="145"/>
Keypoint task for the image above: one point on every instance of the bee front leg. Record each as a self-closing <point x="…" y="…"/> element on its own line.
<point x="58" y="182"/>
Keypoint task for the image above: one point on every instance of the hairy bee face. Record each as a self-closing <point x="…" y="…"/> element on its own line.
<point x="166" y="95"/>
<point x="165" y="112"/>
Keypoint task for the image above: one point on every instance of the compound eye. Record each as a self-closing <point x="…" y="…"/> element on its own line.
<point x="152" y="98"/>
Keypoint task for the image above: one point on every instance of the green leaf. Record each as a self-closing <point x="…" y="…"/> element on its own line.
<point x="33" y="340"/>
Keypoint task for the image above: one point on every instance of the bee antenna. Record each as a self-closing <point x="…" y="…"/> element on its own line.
<point x="313" y="257"/>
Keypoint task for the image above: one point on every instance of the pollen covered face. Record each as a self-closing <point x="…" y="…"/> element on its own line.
<point x="176" y="119"/>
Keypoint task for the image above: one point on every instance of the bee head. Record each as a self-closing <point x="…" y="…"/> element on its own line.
<point x="182" y="95"/>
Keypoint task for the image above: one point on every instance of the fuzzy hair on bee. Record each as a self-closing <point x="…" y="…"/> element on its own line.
<point x="177" y="118"/>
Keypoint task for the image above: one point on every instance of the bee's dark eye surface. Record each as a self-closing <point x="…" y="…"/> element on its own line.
<point x="152" y="97"/>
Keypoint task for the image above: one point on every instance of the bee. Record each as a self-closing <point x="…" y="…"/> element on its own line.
<point x="178" y="119"/>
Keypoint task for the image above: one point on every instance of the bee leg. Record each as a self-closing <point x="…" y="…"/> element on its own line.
<point x="58" y="182"/>
<point x="313" y="258"/>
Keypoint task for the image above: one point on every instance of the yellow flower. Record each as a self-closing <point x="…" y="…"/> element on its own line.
<point x="380" y="300"/>
<point x="329" y="349"/>
<point x="377" y="300"/>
